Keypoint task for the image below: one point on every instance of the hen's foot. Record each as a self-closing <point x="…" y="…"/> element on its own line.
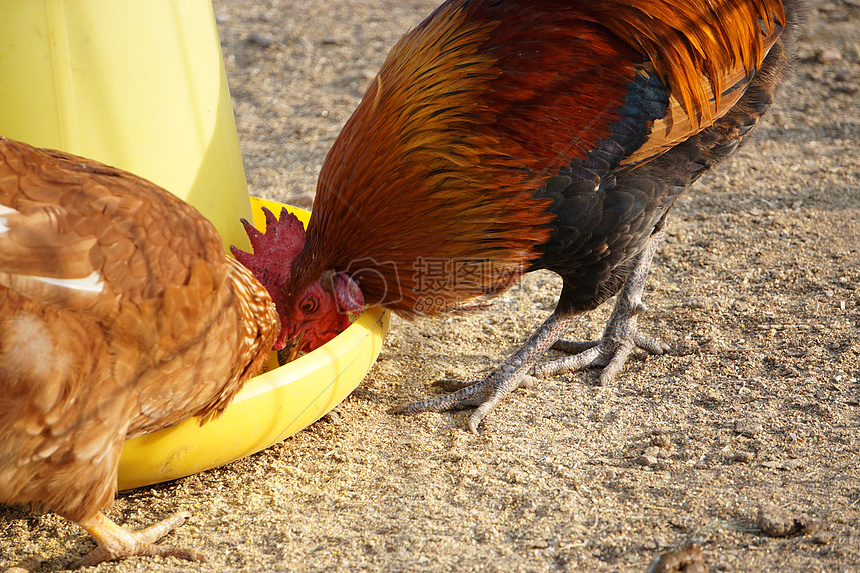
<point x="487" y="393"/>
<point x="116" y="542"/>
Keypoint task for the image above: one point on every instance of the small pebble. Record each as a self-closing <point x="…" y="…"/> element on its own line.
<point x="333" y="417"/>
<point x="262" y="40"/>
<point x="828" y="55"/>
<point x="823" y="537"/>
<point x="698" y="302"/>
<point x="688" y="560"/>
<point x="748" y="428"/>
<point x="849" y="89"/>
<point x="782" y="464"/>
<point x="779" y="522"/>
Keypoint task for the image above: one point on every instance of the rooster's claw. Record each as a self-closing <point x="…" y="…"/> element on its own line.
<point x="609" y="354"/>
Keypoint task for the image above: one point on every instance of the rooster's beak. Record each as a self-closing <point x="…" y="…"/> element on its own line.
<point x="291" y="349"/>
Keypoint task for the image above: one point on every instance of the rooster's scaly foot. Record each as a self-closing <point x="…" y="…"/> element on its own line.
<point x="621" y="335"/>
<point x="611" y="354"/>
<point x="487" y="393"/>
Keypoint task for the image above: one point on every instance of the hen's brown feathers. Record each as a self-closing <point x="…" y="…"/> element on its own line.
<point x="119" y="314"/>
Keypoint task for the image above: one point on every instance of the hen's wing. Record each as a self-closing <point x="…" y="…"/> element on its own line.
<point x="89" y="237"/>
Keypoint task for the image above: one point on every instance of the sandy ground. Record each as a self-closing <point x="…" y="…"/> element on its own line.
<point x="756" y="290"/>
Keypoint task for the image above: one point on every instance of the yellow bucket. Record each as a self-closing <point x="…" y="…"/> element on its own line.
<point x="139" y="85"/>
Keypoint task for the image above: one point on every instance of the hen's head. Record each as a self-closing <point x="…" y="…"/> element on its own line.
<point x="310" y="315"/>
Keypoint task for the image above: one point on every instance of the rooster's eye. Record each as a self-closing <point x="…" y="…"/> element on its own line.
<point x="309" y="305"/>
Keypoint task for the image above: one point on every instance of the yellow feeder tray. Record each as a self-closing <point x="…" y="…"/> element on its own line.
<point x="271" y="407"/>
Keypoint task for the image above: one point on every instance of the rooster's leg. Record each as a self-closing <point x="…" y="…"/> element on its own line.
<point x="621" y="335"/>
<point x="116" y="542"/>
<point x="619" y="338"/>
<point x="487" y="393"/>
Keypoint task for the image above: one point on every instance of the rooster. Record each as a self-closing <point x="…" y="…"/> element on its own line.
<point x="502" y="137"/>
<point x="120" y="314"/>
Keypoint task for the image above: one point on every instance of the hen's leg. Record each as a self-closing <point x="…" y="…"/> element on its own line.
<point x="621" y="335"/>
<point x="116" y="542"/>
<point x="487" y="393"/>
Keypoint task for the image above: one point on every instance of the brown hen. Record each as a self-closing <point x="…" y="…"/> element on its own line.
<point x="120" y="314"/>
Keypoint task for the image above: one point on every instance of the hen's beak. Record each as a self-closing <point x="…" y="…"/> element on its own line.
<point x="291" y="349"/>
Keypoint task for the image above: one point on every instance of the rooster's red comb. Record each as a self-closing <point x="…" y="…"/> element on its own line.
<point x="274" y="251"/>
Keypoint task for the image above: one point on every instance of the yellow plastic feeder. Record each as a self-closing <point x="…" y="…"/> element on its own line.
<point x="142" y="86"/>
